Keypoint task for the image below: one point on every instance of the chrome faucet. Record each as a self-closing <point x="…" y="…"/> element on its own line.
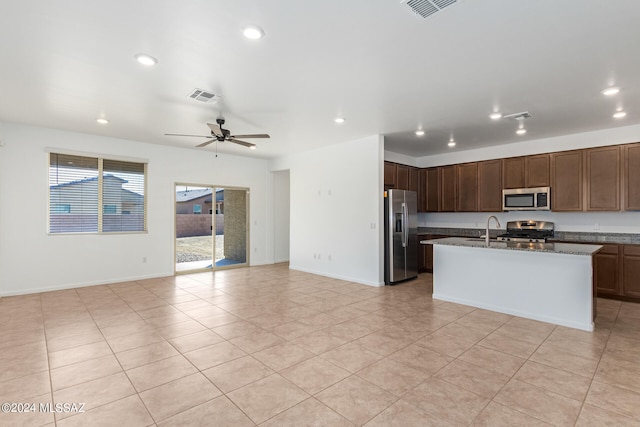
<point x="486" y="236"/>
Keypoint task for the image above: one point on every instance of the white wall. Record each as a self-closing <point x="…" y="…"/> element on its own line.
<point x="610" y="222"/>
<point x="281" y="215"/>
<point x="32" y="261"/>
<point x="336" y="199"/>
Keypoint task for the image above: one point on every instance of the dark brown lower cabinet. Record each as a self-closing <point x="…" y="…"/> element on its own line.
<point x="631" y="271"/>
<point x="607" y="270"/>
<point x="425" y="253"/>
<point x="617" y="272"/>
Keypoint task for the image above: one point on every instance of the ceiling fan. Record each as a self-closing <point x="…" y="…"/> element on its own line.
<point x="220" y="134"/>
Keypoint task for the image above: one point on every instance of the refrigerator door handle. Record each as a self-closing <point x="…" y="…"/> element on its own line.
<point x="404" y="224"/>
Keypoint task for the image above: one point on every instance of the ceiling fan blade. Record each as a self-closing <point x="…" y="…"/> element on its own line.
<point x="204" y="144"/>
<point x="215" y="129"/>
<point x="255" y="135"/>
<point x="180" y="134"/>
<point x="245" y="143"/>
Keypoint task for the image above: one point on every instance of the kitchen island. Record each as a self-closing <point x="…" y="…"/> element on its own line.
<point x="550" y="282"/>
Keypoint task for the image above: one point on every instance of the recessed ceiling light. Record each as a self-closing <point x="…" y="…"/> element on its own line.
<point x="253" y="32"/>
<point x="145" y="59"/>
<point x="339" y="120"/>
<point x="495" y="116"/>
<point x="253" y="147"/>
<point x="610" y="91"/>
<point x="451" y="143"/>
<point x="619" y="114"/>
<point x="419" y="132"/>
<point x="102" y="121"/>
<point x="521" y="131"/>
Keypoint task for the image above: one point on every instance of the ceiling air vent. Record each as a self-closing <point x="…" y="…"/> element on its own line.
<point x="426" y="8"/>
<point x="203" y="96"/>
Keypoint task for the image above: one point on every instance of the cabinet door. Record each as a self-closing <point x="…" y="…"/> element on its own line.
<point x="537" y="171"/>
<point x="603" y="179"/>
<point x="490" y="186"/>
<point x="631" y="271"/>
<point x="414" y="179"/>
<point x="607" y="268"/>
<point x="422" y="253"/>
<point x="432" y="188"/>
<point x="513" y="172"/>
<point x="422" y="190"/>
<point x="631" y="181"/>
<point x="467" y="187"/>
<point x="389" y="175"/>
<point x="567" y="181"/>
<point x="447" y="188"/>
<point x="402" y="177"/>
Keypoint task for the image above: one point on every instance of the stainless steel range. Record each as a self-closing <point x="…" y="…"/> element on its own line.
<point x="528" y="231"/>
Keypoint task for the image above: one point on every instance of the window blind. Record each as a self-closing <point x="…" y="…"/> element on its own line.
<point x="89" y="195"/>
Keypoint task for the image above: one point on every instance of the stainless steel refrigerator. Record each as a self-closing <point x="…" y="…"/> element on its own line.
<point x="400" y="236"/>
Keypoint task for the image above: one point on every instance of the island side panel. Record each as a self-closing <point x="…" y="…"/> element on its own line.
<point x="550" y="287"/>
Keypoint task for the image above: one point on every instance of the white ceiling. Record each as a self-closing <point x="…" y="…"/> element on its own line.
<point x="388" y="71"/>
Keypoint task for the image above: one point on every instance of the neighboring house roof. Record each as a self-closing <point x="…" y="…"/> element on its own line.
<point x="185" y="196"/>
<point x="80" y="181"/>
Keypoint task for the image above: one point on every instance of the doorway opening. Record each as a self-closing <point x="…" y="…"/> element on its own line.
<point x="211" y="225"/>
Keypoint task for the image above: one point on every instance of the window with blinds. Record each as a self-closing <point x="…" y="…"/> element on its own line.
<point x="94" y="195"/>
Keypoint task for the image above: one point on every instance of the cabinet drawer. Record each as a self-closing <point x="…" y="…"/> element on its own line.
<point x="632" y="250"/>
<point x="608" y="249"/>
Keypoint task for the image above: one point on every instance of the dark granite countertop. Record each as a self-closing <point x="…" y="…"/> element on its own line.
<point x="560" y="236"/>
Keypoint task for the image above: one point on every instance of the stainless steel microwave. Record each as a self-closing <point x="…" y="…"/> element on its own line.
<point x="526" y="199"/>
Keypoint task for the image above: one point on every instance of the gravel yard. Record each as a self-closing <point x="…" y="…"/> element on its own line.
<point x="198" y="248"/>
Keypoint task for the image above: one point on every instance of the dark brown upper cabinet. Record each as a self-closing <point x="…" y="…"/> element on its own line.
<point x="389" y="175"/>
<point x="414" y="179"/>
<point x="536" y="171"/>
<point x="490" y="186"/>
<point x="567" y="179"/>
<point x="603" y="175"/>
<point x="432" y="190"/>
<point x="631" y="177"/>
<point x="467" y="187"/>
<point x="513" y="172"/>
<point x="447" y="188"/>
<point x="402" y="177"/>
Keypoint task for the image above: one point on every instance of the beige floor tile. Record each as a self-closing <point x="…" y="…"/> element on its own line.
<point x="384" y="343"/>
<point x="256" y="341"/>
<point x="560" y="359"/>
<point x="163" y="371"/>
<point x="237" y="373"/>
<point x="70" y="375"/>
<point x="282" y="356"/>
<point x="444" y="344"/>
<point x="348" y="331"/>
<point x="219" y="320"/>
<point x="464" y="332"/>
<point x="402" y="414"/>
<point x="446" y="402"/>
<point x="493" y="360"/>
<point x="128" y="342"/>
<point x="215" y="354"/>
<point x="129" y="411"/>
<point x="352" y="356"/>
<point x="170" y="319"/>
<point x="393" y="376"/>
<point x="319" y="341"/>
<point x="474" y="378"/>
<point x="308" y="413"/>
<point x="517" y="331"/>
<point x="179" y="329"/>
<point x="267" y="397"/>
<point x="129" y="328"/>
<point x="422" y="359"/>
<point x="217" y="412"/>
<point x="292" y="330"/>
<point x="314" y="375"/>
<point x="22" y="388"/>
<point x="614" y="398"/>
<point x="539" y="403"/>
<point x="79" y="354"/>
<point x="69" y="341"/>
<point x="186" y="343"/>
<point x="139" y="356"/>
<point x="506" y="343"/>
<point x="236" y="329"/>
<point x="356" y="399"/>
<point x="558" y="381"/>
<point x="95" y="393"/>
<point x="593" y="416"/>
<point x="30" y="418"/>
<point x="177" y="396"/>
<point x="495" y="414"/>
<point x="619" y="372"/>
